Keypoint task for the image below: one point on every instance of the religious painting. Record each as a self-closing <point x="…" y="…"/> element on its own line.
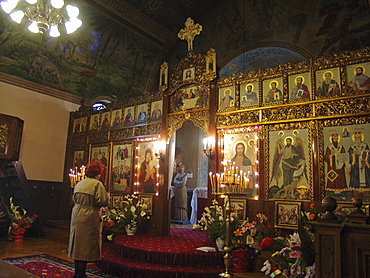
<point x="289" y="164"/>
<point x="78" y="159"/>
<point x="188" y="74"/>
<point x="129" y="116"/>
<point x="94" y="122"/>
<point x="357" y="77"/>
<point x="189" y="97"/>
<point x="287" y="214"/>
<point x="249" y="95"/>
<point x="146" y="168"/>
<point x="211" y="62"/>
<point x="226" y="97"/>
<point x="116" y="118"/>
<point x="239" y="208"/>
<point x="273" y="90"/>
<point x="163" y="76"/>
<point x="241" y="150"/>
<point x="156" y="110"/>
<point x="105" y="124"/>
<point x="122" y="159"/>
<point x="116" y="199"/>
<point x="347" y="208"/>
<point x="346" y="155"/>
<point x="83" y="124"/>
<point x="100" y="152"/>
<point x="148" y="201"/>
<point x="299" y="87"/>
<point x="77" y="125"/>
<point x="142" y="113"/>
<point x="327" y="83"/>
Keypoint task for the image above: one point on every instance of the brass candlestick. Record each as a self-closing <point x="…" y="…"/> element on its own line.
<point x="227" y="248"/>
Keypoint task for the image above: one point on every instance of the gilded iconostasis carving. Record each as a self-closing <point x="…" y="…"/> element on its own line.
<point x="312" y="126"/>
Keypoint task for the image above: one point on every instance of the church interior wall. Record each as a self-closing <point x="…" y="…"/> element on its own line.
<point x="45" y="130"/>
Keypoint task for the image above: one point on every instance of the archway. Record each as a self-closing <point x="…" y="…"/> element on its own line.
<point x="186" y="148"/>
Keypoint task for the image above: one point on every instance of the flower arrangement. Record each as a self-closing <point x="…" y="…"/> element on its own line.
<point x="130" y="212"/>
<point x="19" y="218"/>
<point x="295" y="257"/>
<point x="213" y="221"/>
<point x="256" y="233"/>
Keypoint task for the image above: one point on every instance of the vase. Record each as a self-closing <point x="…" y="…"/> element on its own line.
<point x="243" y="259"/>
<point x="220" y="244"/>
<point x="16" y="234"/>
<point x="131" y="231"/>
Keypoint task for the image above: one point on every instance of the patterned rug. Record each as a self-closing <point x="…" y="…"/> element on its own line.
<point x="46" y="266"/>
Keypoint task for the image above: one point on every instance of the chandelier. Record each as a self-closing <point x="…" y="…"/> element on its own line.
<point x="44" y="15"/>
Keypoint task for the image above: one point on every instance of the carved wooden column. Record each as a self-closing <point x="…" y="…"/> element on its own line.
<point x="328" y="249"/>
<point x="328" y="242"/>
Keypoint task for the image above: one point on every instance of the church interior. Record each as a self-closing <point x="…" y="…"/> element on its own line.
<point x="260" y="108"/>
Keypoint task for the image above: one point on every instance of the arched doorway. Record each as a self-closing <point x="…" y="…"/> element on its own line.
<point x="186" y="148"/>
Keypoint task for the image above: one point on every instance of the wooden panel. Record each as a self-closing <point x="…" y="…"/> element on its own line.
<point x="10" y="137"/>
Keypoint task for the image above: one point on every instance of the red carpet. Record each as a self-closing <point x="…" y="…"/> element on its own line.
<point x="146" y="255"/>
<point x="46" y="266"/>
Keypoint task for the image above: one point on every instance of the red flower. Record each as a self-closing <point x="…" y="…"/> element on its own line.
<point x="266" y="242"/>
<point x="108" y="224"/>
<point x="238" y="233"/>
<point x="312" y="216"/>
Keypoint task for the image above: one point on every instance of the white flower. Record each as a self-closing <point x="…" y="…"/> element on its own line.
<point x="294" y="239"/>
<point x="249" y="240"/>
<point x="266" y="267"/>
<point x="110" y="237"/>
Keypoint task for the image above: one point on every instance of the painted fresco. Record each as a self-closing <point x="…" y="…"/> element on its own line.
<point x="100" y="58"/>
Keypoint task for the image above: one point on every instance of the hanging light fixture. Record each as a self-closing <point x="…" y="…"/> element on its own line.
<point x="44" y="15"/>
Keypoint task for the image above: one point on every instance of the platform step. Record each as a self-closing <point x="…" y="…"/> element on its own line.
<point x="57" y="230"/>
<point x="113" y="264"/>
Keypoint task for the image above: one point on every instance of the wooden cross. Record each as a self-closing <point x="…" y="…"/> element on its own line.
<point x="189" y="32"/>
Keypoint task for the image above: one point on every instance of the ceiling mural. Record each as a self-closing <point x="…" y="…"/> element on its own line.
<point x="262" y="57"/>
<point x="102" y="58"/>
<point x="311" y="28"/>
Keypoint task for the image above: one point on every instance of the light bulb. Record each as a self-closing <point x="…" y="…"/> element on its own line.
<point x="57" y="3"/>
<point x="9" y="5"/>
<point x="31" y="1"/>
<point x="54" y="32"/>
<point x="33" y="27"/>
<point x="73" y="25"/>
<point x="17" y="16"/>
<point x="72" y="11"/>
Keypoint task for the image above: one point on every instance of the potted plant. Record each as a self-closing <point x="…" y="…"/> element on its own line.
<point x="248" y="239"/>
<point x="127" y="214"/>
<point x="213" y="222"/>
<point x="20" y="221"/>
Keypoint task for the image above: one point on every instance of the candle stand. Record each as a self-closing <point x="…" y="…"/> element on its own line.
<point x="231" y="182"/>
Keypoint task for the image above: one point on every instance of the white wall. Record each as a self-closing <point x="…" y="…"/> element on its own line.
<point x="45" y="130"/>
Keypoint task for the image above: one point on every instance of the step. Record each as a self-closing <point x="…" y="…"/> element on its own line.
<point x="60" y="224"/>
<point x="115" y="265"/>
<point x="60" y="236"/>
<point x="57" y="230"/>
<point x="178" y="249"/>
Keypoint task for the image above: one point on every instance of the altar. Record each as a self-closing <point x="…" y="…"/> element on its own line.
<point x="198" y="203"/>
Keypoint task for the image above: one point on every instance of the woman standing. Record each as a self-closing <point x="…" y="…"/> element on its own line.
<point x="181" y="198"/>
<point x="85" y="240"/>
